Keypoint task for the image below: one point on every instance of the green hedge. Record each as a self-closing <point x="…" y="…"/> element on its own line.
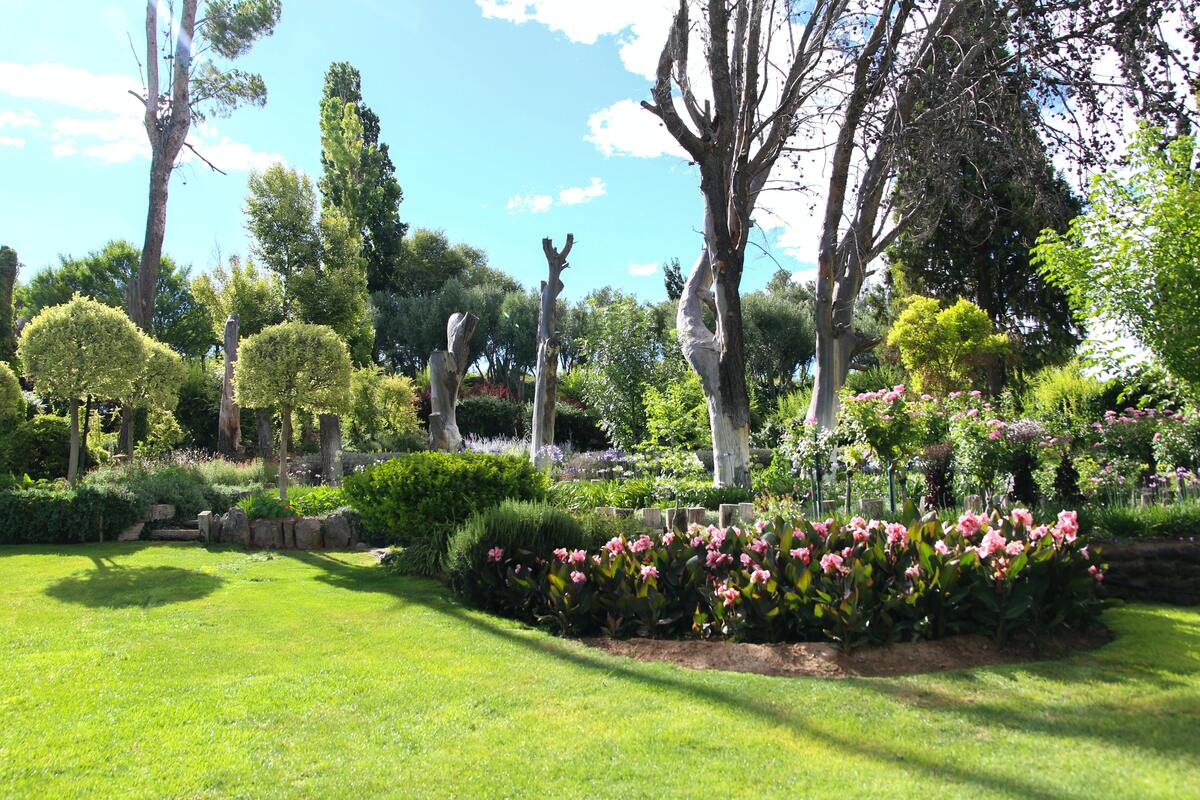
<point x="644" y="493"/>
<point x="407" y="499"/>
<point x="522" y="530"/>
<point x="38" y="448"/>
<point x="61" y="516"/>
<point x="488" y="417"/>
<point x="1134" y="522"/>
<point x="185" y="487"/>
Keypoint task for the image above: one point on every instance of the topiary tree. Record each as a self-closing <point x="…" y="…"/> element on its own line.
<point x="12" y="402"/>
<point x="156" y="387"/>
<point x="293" y="366"/>
<point x="77" y="350"/>
<point x="945" y="349"/>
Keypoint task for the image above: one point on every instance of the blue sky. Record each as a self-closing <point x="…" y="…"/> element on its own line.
<point x="507" y="121"/>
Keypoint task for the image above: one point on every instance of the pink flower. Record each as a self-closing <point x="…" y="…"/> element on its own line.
<point x="596" y="559"/>
<point x="940" y="548"/>
<point x="615" y="545"/>
<point x="913" y="572"/>
<point x="758" y="546"/>
<point x="696" y="541"/>
<point x="577" y="556"/>
<point x="821" y="529"/>
<point x="668" y="538"/>
<point x="892" y="397"/>
<point x="955" y="394"/>
<point x="886" y="417"/>
<point x="649" y="571"/>
<point x="976" y="393"/>
<point x="992" y="542"/>
<point x="926" y="397"/>
<point x="641" y="544"/>
<point x="1095" y="572"/>
<point x="969" y="524"/>
<point x="1068" y="521"/>
<point x="495" y="554"/>
<point x="716" y="540"/>
<point x="899" y="388"/>
<point x="561" y="553"/>
<point x="760" y="575"/>
<point x="760" y="525"/>
<point x="716" y="559"/>
<point x="728" y="594"/>
<point x="578" y="577"/>
<point x="831" y="562"/>
<point x="1038" y="532"/>
<point x="861" y="535"/>
<point x="1021" y="516"/>
<point x="747" y="560"/>
<point x="994" y="435"/>
<point x="802" y="553"/>
<point x="897" y="534"/>
<point x="858" y="522"/>
<point x="972" y="412"/>
<point x="1015" y="548"/>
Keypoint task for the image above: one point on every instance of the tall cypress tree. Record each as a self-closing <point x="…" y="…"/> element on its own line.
<point x="378" y="192"/>
<point x="8" y="281"/>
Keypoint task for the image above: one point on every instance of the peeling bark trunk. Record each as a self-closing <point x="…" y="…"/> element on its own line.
<point x="446" y="368"/>
<point x="286" y="433"/>
<point x="229" y="423"/>
<point x="262" y="419"/>
<point x="73" y="456"/>
<point x="545" y="387"/>
<point x="331" y="449"/>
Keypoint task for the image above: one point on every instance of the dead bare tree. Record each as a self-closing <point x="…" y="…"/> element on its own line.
<point x="195" y="87"/>
<point x="761" y="71"/>
<point x="545" y="387"/>
<point x="446" y="370"/>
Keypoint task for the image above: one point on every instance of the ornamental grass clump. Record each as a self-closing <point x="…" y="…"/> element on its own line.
<point x="780" y="580"/>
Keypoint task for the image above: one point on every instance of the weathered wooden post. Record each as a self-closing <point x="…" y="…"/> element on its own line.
<point x="229" y="422"/>
<point x="545" y="386"/>
<point x="446" y="368"/>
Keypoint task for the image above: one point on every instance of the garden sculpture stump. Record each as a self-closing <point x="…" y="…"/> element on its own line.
<point x="677" y="519"/>
<point x="652" y="518"/>
<point x="696" y="514"/>
<point x="728" y="514"/>
<point x="871" y="507"/>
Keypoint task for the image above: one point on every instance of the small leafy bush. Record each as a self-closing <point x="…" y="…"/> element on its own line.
<point x="265" y="504"/>
<point x="407" y="499"/>
<point x="38" y="448"/>
<point x="183" y="485"/>
<point x="792" y="580"/>
<point x="42" y="515"/>
<point x="315" y="501"/>
<point x="528" y="531"/>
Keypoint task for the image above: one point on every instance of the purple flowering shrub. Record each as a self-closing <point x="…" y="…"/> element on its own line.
<point x="799" y="581"/>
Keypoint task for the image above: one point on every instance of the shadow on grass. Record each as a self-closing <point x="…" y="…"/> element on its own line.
<point x="110" y="585"/>
<point x="1101" y="719"/>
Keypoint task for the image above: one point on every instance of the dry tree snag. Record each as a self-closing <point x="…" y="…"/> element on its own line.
<point x="761" y="67"/>
<point x="545" y="388"/>
<point x="446" y="370"/>
<point x="229" y="423"/>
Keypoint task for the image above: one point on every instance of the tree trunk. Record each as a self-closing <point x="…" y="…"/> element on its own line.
<point x="142" y="288"/>
<point x="832" y="362"/>
<point x="125" y="433"/>
<point x="73" y="456"/>
<point x="331" y="449"/>
<point x="285" y="434"/>
<point x="545" y="386"/>
<point x="84" y="462"/>
<point x="229" y="424"/>
<point x="446" y="368"/>
<point x="262" y="418"/>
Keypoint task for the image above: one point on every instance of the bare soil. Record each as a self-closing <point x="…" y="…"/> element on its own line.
<point x="824" y="660"/>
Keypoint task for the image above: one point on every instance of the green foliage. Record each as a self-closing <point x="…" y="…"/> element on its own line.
<point x="872" y="379"/>
<point x="156" y="384"/>
<point x="622" y="349"/>
<point x="37" y="448"/>
<point x="420" y="495"/>
<point x="256" y="298"/>
<point x="81" y="348"/>
<point x="294" y="366"/>
<point x="1132" y="258"/>
<point x="281" y="206"/>
<point x="487" y="416"/>
<point x="578" y="427"/>
<point x="383" y="410"/>
<point x="1176" y="520"/>
<point x="41" y="515"/>
<point x="163" y="434"/>
<point x="105" y="275"/>
<point x="1064" y="397"/>
<point x="230" y="29"/>
<point x="644" y="492"/>
<point x="199" y="404"/>
<point x="677" y="415"/>
<point x="526" y="531"/>
<point x="9" y="267"/>
<point x="944" y="349"/>
<point x="780" y="337"/>
<point x="190" y="487"/>
<point x="12" y="402"/>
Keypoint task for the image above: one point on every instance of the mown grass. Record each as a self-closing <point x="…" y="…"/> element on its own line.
<point x="175" y="671"/>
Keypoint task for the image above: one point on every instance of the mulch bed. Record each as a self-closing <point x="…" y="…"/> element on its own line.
<point x="824" y="660"/>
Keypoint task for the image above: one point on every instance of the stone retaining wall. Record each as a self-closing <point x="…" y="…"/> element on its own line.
<point x="1152" y="572"/>
<point x="334" y="532"/>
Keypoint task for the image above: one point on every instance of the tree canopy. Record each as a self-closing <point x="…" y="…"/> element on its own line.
<point x="944" y="349"/>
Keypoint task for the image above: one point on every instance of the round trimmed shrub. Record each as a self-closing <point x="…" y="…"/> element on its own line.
<point x="40" y="448"/>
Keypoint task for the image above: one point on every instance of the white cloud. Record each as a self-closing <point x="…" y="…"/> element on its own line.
<point x="625" y="128"/>
<point x="529" y="203"/>
<point x="23" y="119"/>
<point x="643" y="270"/>
<point x="582" y="194"/>
<point x="541" y="203"/>
<point x="639" y="25"/>
<point x="12" y="141"/>
<point x="116" y="134"/>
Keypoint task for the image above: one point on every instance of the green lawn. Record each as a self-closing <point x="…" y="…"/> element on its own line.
<point x="174" y="671"/>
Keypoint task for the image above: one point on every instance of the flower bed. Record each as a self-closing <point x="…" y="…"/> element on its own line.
<point x="866" y="582"/>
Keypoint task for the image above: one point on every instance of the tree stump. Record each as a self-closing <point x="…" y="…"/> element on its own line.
<point x="229" y="422"/>
<point x="446" y="368"/>
<point x="545" y="380"/>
